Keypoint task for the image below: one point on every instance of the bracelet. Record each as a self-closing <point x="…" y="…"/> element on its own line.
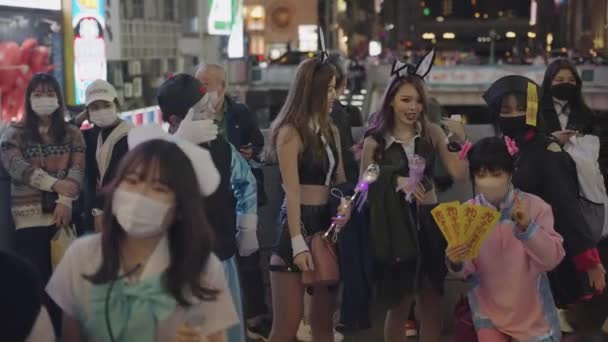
<point x="96" y="212"/>
<point x="298" y="245"/>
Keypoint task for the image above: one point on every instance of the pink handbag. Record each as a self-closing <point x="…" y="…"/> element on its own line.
<point x="325" y="259"/>
<point x="464" y="330"/>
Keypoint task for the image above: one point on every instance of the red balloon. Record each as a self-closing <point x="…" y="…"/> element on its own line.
<point x="9" y="53"/>
<point x="27" y="47"/>
<point x="7" y="80"/>
<point x="39" y="61"/>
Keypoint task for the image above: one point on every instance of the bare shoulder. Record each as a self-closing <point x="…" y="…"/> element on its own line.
<point x="287" y="134"/>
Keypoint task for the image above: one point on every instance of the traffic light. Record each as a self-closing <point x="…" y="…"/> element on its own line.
<point x="426" y="11"/>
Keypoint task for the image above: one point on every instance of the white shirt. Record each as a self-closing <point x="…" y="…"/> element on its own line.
<point x="409" y="147"/>
<point x="563" y="112"/>
<point x="70" y="290"/>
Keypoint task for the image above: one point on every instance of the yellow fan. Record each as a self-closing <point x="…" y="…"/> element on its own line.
<point x="462" y="223"/>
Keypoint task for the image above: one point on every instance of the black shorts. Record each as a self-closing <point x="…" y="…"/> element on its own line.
<point x="314" y="218"/>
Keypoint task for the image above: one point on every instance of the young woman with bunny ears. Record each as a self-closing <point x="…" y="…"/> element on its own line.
<point x="400" y="133"/>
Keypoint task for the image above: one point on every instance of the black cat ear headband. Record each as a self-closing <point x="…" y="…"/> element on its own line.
<point x="401" y="69"/>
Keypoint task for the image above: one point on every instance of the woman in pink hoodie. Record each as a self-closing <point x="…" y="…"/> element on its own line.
<point x="511" y="299"/>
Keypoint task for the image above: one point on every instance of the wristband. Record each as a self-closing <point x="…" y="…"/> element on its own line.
<point x="298" y="245"/>
<point x="67" y="201"/>
<point x="96" y="212"/>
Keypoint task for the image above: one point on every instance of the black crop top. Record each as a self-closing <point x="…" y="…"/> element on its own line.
<point x="318" y="172"/>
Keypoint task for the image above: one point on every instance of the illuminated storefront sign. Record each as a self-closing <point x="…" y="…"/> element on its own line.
<point x="37" y="4"/>
<point x="222" y="15"/>
<point x="89" y="46"/>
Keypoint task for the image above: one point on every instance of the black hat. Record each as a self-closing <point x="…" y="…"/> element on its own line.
<point x="515" y="84"/>
<point x="178" y="94"/>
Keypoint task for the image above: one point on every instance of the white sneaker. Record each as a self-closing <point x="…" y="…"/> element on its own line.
<point x="304" y="334"/>
<point x="605" y="327"/>
<point x="563" y="322"/>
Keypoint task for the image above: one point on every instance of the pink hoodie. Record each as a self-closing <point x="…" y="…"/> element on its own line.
<point x="512" y="292"/>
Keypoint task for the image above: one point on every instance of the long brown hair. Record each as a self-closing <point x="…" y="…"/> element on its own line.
<point x="383" y="121"/>
<point x="189" y="237"/>
<point x="306" y="100"/>
<point x="30" y="119"/>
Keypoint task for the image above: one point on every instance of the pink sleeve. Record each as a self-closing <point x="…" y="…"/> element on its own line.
<point x="541" y="242"/>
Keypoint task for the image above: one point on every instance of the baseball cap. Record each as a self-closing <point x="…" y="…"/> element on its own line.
<point x="178" y="94"/>
<point x="100" y="90"/>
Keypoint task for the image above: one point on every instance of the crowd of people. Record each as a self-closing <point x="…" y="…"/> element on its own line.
<point x="168" y="247"/>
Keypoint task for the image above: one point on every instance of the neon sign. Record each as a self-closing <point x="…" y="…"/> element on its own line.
<point x="89" y="47"/>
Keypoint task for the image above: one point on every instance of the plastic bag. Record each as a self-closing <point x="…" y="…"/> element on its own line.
<point x="60" y="243"/>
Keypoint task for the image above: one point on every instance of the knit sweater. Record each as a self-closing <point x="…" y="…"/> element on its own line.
<point x="35" y="167"/>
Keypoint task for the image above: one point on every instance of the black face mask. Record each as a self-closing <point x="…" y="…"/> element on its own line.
<point x="565" y="91"/>
<point x="514" y="127"/>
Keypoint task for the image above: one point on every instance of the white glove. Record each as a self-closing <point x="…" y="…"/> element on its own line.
<point x="205" y="108"/>
<point x="246" y="235"/>
<point x="196" y="131"/>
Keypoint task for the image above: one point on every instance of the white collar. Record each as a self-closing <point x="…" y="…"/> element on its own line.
<point x="390" y="140"/>
<point x="159" y="259"/>
<point x="560" y="103"/>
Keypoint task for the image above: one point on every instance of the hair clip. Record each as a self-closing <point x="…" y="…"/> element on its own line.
<point x="464" y="151"/>
<point x="511" y="146"/>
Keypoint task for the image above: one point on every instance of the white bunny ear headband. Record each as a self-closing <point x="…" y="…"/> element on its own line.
<point x="323" y="54"/>
<point x="206" y="173"/>
<point x="400" y="69"/>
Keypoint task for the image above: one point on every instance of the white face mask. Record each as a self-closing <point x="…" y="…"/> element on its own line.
<point x="44" y="106"/>
<point x="139" y="216"/>
<point x="104" y="117"/>
<point x="493" y="189"/>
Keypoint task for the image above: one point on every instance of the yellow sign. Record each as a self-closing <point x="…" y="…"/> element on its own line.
<point x="532" y="105"/>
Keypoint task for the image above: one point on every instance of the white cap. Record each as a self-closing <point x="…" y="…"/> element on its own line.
<point x="100" y="90"/>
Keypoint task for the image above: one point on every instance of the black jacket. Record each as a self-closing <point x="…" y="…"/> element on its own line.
<point x="221" y="205"/>
<point x="341" y="119"/>
<point x="543" y="169"/>
<point x="580" y="119"/>
<point x="242" y="129"/>
<point x="242" y="126"/>
<point x="91" y="198"/>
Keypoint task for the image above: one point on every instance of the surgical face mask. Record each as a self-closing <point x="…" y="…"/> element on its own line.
<point x="493" y="189"/>
<point x="565" y="91"/>
<point x="138" y="215"/>
<point x="104" y="117"/>
<point x="44" y="106"/>
<point x="513" y="127"/>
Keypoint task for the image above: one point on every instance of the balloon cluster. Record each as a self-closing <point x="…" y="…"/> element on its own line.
<point x="17" y="65"/>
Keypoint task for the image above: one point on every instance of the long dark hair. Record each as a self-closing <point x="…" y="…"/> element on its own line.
<point x="578" y="107"/>
<point x="189" y="237"/>
<point x="383" y="121"/>
<point x="306" y="99"/>
<point x="30" y="120"/>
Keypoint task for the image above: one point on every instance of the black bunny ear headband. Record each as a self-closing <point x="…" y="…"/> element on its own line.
<point x="400" y="69"/>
